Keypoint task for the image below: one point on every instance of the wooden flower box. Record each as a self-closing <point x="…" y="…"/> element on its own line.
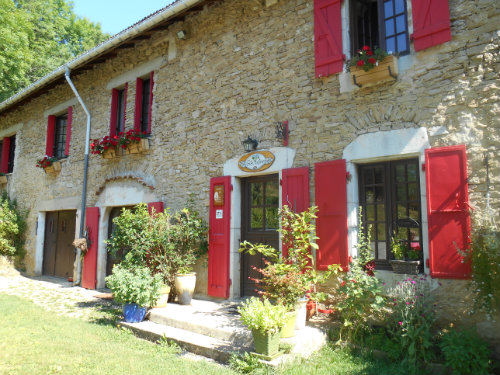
<point x="110" y="153"/>
<point x="54" y="168"/>
<point x="387" y="70"/>
<point x="138" y="147"/>
<point x="407" y="267"/>
<point x="3" y="180"/>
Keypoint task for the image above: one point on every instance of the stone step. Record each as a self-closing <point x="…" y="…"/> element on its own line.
<point x="219" y="350"/>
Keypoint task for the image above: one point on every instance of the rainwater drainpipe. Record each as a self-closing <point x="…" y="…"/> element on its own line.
<point x="84" y="190"/>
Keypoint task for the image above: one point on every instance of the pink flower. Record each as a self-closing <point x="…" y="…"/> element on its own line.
<point x="400" y="323"/>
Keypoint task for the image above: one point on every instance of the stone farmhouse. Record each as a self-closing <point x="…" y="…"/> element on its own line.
<point x="414" y="146"/>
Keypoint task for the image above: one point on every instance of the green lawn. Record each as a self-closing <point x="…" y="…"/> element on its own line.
<point x="34" y="341"/>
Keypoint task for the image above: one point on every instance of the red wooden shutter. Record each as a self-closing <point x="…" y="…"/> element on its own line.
<point x="447" y="210"/>
<point x="4" y="163"/>
<point x="328" y="37"/>
<point x="295" y="191"/>
<point x="158" y="207"/>
<point x="68" y="130"/>
<point x="218" y="239"/>
<point x="151" y="82"/>
<point x="331" y="225"/>
<point x="431" y="23"/>
<point x="51" y="128"/>
<point x="114" y="112"/>
<point x="89" y="274"/>
<point x="138" y="104"/>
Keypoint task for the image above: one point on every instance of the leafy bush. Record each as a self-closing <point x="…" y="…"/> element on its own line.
<point x="484" y="256"/>
<point x="134" y="285"/>
<point x="465" y="352"/>
<point x="412" y="319"/>
<point x="12" y="228"/>
<point x="247" y="363"/>
<point x="261" y="315"/>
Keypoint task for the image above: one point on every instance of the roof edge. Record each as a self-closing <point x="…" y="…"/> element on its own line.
<point x="169" y="11"/>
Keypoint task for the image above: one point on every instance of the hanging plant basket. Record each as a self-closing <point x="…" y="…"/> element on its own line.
<point x="138" y="147"/>
<point x="54" y="168"/>
<point x="407" y="267"/>
<point x="386" y="70"/>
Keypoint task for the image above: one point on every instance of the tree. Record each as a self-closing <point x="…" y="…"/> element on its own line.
<point x="37" y="36"/>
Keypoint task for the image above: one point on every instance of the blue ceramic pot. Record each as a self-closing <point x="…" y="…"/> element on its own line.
<point x="133" y="313"/>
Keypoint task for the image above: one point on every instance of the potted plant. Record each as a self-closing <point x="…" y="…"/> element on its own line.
<point x="50" y="164"/>
<point x="133" y="141"/>
<point x="136" y="288"/>
<point x="406" y="258"/>
<point x="265" y="320"/>
<point x="372" y="66"/>
<point x="106" y="147"/>
<point x="286" y="279"/>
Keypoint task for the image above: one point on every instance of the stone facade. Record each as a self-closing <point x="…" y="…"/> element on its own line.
<point x="243" y="67"/>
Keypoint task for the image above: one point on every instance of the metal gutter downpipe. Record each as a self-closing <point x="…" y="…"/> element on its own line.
<point x="85" y="170"/>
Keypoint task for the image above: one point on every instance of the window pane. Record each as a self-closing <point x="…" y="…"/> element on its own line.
<point x="379" y="175"/>
<point x="382" y="250"/>
<point x="414" y="234"/>
<point x="400" y="6"/>
<point x="257" y="219"/>
<point x="402" y="43"/>
<point x="401" y="208"/>
<point x="272" y="193"/>
<point x="370" y="212"/>
<point x="412" y="172"/>
<point x="390" y="45"/>
<point x="400" y="24"/>
<point x="381" y="232"/>
<point x="271" y="217"/>
<point x="400" y="173"/>
<point x="389" y="27"/>
<point x="381" y="212"/>
<point x="370" y="195"/>
<point x="379" y="191"/>
<point x="388" y="9"/>
<point x="412" y="192"/>
<point x="256" y="191"/>
<point x="368" y="176"/>
<point x="400" y="192"/>
<point x="413" y="212"/>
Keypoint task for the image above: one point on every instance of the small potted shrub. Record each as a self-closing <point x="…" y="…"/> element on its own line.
<point x="136" y="288"/>
<point x="265" y="320"/>
<point x="406" y="259"/>
<point x="50" y="164"/>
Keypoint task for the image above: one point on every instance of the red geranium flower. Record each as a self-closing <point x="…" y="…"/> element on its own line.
<point x="360" y="63"/>
<point x="366" y="48"/>
<point x="372" y="60"/>
<point x="369" y="53"/>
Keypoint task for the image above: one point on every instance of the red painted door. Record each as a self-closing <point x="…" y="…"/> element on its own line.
<point x="89" y="273"/>
<point x="447" y="210"/>
<point x="219" y="236"/>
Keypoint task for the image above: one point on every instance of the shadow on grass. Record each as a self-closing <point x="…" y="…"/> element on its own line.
<point x="105" y="312"/>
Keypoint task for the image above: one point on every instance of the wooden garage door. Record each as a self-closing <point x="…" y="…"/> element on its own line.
<point x="58" y="253"/>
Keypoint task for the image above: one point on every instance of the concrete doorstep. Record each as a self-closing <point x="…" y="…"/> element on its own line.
<point x="214" y="330"/>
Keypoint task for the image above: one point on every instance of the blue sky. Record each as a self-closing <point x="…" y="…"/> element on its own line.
<point x="116" y="15"/>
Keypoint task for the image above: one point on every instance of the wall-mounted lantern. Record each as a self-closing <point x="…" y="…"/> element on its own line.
<point x="250" y="144"/>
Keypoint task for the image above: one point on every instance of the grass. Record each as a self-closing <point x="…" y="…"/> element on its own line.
<point x="35" y="341"/>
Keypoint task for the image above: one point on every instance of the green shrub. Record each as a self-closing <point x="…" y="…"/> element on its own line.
<point x="261" y="315"/>
<point x="247" y="363"/>
<point x="134" y="285"/>
<point x="465" y="352"/>
<point x="12" y="228"/>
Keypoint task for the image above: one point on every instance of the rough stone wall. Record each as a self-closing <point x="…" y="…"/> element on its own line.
<point x="245" y="66"/>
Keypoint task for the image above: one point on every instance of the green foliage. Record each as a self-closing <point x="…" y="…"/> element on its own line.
<point x="37" y="36"/>
<point x="12" y="228"/>
<point x="484" y="256"/>
<point x="167" y="346"/>
<point x="134" y="285"/>
<point x="412" y="319"/>
<point x="261" y="315"/>
<point x="166" y="243"/>
<point x="398" y="249"/>
<point x="247" y="363"/>
<point x="286" y="279"/>
<point x="360" y="300"/>
<point x="465" y="352"/>
<point x="365" y="252"/>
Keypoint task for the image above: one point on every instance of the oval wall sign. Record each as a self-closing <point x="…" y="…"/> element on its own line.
<point x="256" y="161"/>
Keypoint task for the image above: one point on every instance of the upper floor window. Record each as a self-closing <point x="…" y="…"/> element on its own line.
<point x="8" y="147"/>
<point x="118" y="110"/>
<point x="379" y="23"/>
<point x="143" y="102"/>
<point x="60" y="136"/>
